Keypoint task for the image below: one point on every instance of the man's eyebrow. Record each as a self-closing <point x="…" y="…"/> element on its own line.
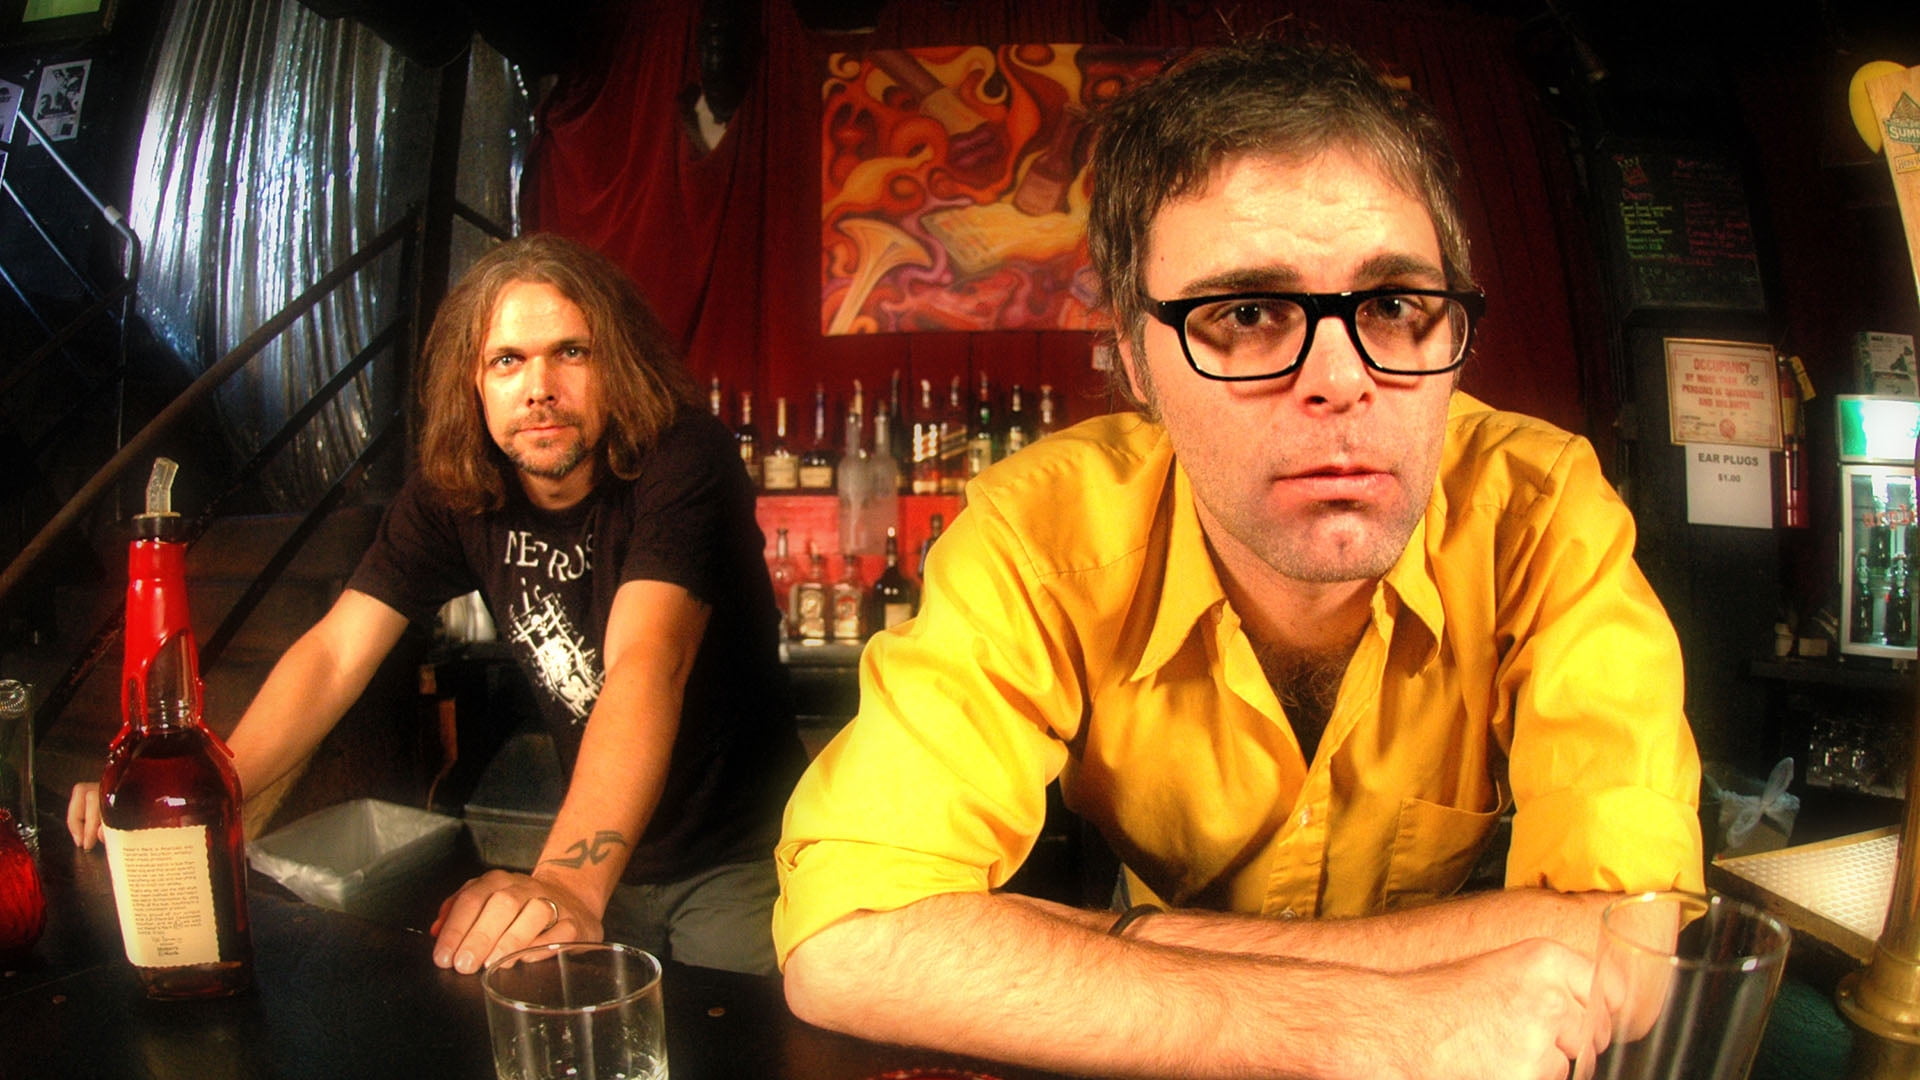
<point x="1244" y="279"/>
<point x="1400" y="267"/>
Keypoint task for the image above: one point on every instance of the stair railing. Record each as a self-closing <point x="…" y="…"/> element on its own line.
<point x="137" y="450"/>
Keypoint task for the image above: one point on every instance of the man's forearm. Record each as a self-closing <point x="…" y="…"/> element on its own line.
<point x="1002" y="978"/>
<point x="1400" y="941"/>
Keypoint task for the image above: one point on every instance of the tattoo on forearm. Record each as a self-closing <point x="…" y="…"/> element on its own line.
<point x="590" y="851"/>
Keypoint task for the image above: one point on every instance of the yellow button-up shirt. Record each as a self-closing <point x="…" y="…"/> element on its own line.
<point x="1073" y="625"/>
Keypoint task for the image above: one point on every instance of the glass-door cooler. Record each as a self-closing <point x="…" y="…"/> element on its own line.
<point x="1879" y="531"/>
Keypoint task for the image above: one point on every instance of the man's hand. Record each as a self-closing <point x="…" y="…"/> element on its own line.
<point x="1518" y="1012"/>
<point x="499" y="912"/>
<point x="83" y="815"/>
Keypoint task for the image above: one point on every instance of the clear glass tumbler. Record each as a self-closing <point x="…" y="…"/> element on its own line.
<point x="578" y="1010"/>
<point x="1682" y="986"/>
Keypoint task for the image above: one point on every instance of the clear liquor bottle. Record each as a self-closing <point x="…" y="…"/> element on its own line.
<point x="1048" y="423"/>
<point x="779" y="468"/>
<point x="854" y="479"/>
<point x="169" y="798"/>
<point x="784" y="575"/>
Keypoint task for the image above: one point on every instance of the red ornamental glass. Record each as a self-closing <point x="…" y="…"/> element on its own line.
<point x="23" y="906"/>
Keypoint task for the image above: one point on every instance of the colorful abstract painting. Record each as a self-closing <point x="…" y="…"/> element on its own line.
<point x="954" y="185"/>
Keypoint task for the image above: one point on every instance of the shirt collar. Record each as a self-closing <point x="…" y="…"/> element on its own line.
<point x="1190" y="587"/>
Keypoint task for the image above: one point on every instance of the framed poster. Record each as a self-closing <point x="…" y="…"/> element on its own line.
<point x="1725" y="392"/>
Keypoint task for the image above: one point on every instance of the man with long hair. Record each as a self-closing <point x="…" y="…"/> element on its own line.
<point x="1293" y="636"/>
<point x="565" y="475"/>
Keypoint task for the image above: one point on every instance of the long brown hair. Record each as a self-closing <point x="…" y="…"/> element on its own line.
<point x="640" y="377"/>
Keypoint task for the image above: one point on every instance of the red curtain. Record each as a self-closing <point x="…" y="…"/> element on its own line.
<point x="726" y="245"/>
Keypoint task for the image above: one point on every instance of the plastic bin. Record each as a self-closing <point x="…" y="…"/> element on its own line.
<point x="363" y="857"/>
<point x="515" y="800"/>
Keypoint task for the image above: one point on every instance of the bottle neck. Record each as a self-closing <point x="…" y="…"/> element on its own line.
<point x="160" y="674"/>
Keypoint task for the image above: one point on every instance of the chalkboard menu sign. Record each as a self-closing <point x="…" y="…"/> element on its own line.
<point x="1679" y="233"/>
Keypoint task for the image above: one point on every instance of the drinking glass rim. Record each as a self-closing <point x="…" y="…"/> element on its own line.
<point x="556" y="950"/>
<point x="1749" y="960"/>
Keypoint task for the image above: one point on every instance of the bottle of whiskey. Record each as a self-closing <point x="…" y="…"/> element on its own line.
<point x="779" y="468"/>
<point x="747" y="435"/>
<point x="169" y="798"/>
<point x="953" y="441"/>
<point x="848" y="597"/>
<point x="926" y="443"/>
<point x="934" y="525"/>
<point x="980" y="443"/>
<point x="810" y="600"/>
<point x="816" y="464"/>
<point x="893" y="599"/>
<point x="784" y="576"/>
<point x="1016" y="420"/>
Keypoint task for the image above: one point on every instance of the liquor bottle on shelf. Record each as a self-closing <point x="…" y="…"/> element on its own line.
<point x="934" y="524"/>
<point x="1861" y="628"/>
<point x="899" y="439"/>
<point x="883" y="477"/>
<point x="953" y="441"/>
<point x="849" y="595"/>
<point x="816" y="463"/>
<point x="747" y="436"/>
<point x="810" y="600"/>
<point x="714" y="402"/>
<point x="980" y="441"/>
<point x="1016" y="420"/>
<point x="893" y="599"/>
<point x="1879" y="538"/>
<point x="784" y="576"/>
<point x="926" y="443"/>
<point x="855" y="478"/>
<point x="1899" y="625"/>
<point x="779" y="468"/>
<point x="1047" y="424"/>
<point x="169" y="798"/>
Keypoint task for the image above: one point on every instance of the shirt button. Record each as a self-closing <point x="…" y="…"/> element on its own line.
<point x="1306" y="816"/>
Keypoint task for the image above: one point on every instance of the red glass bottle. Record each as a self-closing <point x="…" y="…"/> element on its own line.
<point x="169" y="799"/>
<point x="23" y="906"/>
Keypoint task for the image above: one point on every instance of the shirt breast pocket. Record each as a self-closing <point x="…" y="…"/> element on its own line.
<point x="1435" y="848"/>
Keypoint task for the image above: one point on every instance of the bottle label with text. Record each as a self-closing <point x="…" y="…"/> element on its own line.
<point x="163" y="888"/>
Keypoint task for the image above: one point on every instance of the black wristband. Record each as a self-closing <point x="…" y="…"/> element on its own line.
<point x="1132" y="915"/>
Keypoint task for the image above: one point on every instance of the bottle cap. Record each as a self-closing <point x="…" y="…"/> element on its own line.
<point x="159" y="522"/>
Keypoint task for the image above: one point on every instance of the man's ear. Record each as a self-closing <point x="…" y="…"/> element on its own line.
<point x="1129" y="358"/>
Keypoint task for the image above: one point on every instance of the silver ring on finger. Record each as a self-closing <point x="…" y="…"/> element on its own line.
<point x="554" y="919"/>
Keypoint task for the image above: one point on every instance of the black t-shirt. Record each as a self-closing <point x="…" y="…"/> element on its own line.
<point x="549" y="579"/>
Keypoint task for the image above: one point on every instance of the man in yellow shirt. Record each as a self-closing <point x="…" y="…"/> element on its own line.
<point x="1293" y="638"/>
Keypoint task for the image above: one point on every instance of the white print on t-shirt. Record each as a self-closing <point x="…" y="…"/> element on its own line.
<point x="563" y="662"/>
<point x="528" y="551"/>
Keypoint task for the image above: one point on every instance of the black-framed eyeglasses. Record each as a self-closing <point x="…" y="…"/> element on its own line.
<point x="1266" y="335"/>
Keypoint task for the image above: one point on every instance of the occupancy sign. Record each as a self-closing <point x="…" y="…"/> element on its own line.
<point x="1725" y="392"/>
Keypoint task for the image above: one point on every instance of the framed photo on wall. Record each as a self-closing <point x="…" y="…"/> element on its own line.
<point x="30" y="21"/>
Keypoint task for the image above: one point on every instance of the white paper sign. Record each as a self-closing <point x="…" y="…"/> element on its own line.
<point x="11" y="94"/>
<point x="1729" y="485"/>
<point x="56" y="105"/>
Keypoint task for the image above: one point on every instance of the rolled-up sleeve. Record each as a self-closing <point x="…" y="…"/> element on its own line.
<point x="1605" y="772"/>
